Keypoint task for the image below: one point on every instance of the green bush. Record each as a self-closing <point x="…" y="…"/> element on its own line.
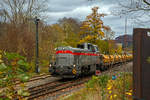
<point x="105" y="87"/>
<point x="13" y="67"/>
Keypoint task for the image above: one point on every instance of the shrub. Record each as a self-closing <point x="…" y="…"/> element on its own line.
<point x="13" y="67"/>
<point x="119" y="89"/>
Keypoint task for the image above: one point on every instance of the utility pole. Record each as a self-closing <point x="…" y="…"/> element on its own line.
<point x="125" y="45"/>
<point x="125" y="56"/>
<point x="37" y="46"/>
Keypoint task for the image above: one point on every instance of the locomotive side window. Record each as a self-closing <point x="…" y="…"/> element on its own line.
<point x="93" y="49"/>
<point x="90" y="47"/>
<point x="97" y="49"/>
<point x="81" y="46"/>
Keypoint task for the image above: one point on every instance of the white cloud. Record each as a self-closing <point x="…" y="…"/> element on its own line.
<point x="81" y="8"/>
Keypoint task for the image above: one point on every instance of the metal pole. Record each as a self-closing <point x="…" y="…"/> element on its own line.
<point x="125" y="56"/>
<point x="37" y="47"/>
<point x="125" y="33"/>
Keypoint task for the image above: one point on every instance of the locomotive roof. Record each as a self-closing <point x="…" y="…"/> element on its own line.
<point x="80" y="47"/>
<point x="71" y="48"/>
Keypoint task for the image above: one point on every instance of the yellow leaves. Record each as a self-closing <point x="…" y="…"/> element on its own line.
<point x="1" y="61"/>
<point x="84" y="26"/>
<point x="99" y="26"/>
<point x="111" y="97"/>
<point x="22" y="84"/>
<point x="115" y="95"/>
<point x="101" y="33"/>
<point x="24" y="51"/>
<point x="93" y="26"/>
<point x="128" y="93"/>
<point x="115" y="88"/>
<point x="110" y="92"/>
<point x="13" y="63"/>
<point x="88" y="38"/>
<point x="119" y="49"/>
<point x="0" y="56"/>
<point x="109" y="87"/>
<point x="1" y="72"/>
<point x="81" y="41"/>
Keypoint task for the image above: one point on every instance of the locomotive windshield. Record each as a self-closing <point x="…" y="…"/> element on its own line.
<point x="64" y="59"/>
<point x="61" y="60"/>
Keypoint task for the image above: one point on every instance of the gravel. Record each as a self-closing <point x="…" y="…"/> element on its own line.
<point x="41" y="81"/>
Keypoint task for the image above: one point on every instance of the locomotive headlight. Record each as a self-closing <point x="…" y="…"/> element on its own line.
<point x="74" y="65"/>
<point x="50" y="65"/>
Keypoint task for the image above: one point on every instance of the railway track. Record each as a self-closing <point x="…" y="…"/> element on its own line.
<point x="37" y="77"/>
<point x="58" y="85"/>
<point x="34" y="78"/>
<point x="43" y="76"/>
<point x="53" y="87"/>
<point x="115" y="68"/>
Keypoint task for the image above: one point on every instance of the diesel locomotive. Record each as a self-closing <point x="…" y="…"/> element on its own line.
<point x="85" y="59"/>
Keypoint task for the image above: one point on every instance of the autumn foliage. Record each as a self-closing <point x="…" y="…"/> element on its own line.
<point x="94" y="31"/>
<point x="92" y="28"/>
<point x="19" y="36"/>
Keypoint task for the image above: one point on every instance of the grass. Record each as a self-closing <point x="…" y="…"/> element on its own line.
<point x="105" y="87"/>
<point x="84" y="94"/>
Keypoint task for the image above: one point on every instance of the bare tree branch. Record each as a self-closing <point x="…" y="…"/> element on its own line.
<point x="136" y="9"/>
<point x="18" y="11"/>
<point x="146" y="2"/>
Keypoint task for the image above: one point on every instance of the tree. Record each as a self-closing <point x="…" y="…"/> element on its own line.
<point x="50" y="37"/>
<point x="73" y="23"/>
<point x="71" y="29"/>
<point x="119" y="49"/>
<point x="17" y="27"/>
<point x="109" y="34"/>
<point x="103" y="46"/>
<point x="136" y="9"/>
<point x="93" y="29"/>
<point x="20" y="11"/>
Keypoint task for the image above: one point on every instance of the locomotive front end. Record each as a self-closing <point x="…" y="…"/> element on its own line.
<point x="64" y="65"/>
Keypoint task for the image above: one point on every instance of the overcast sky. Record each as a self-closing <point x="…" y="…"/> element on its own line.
<point x="81" y="8"/>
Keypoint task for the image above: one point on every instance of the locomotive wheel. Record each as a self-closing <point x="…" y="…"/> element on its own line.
<point x="82" y="70"/>
<point x="85" y="70"/>
<point x="102" y="68"/>
<point x="106" y="67"/>
<point x="52" y="71"/>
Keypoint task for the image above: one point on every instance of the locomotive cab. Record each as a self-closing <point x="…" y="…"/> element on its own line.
<point x="64" y="64"/>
